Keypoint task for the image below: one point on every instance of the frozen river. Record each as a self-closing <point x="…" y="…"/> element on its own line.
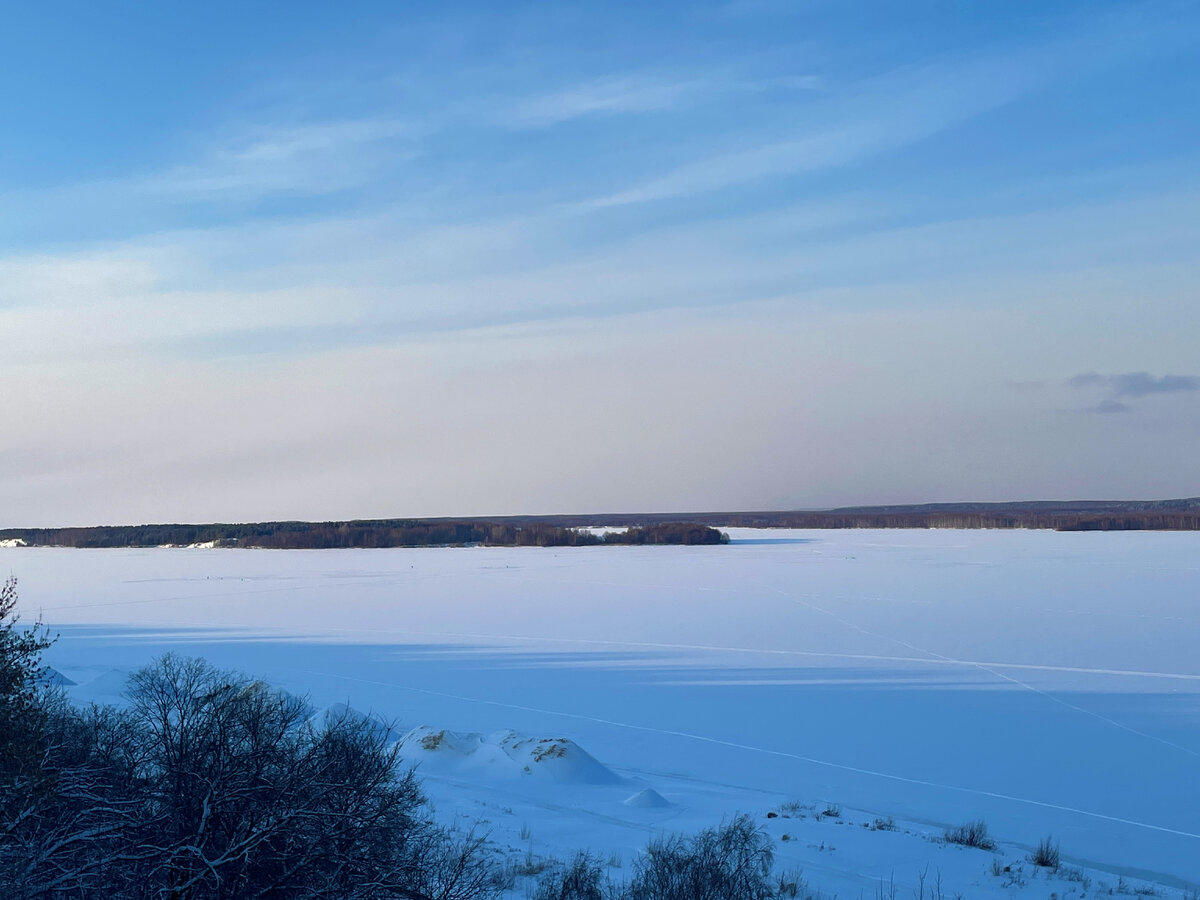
<point x="1049" y="683"/>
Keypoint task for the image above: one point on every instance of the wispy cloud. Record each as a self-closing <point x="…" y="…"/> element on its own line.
<point x="303" y="287"/>
<point x="808" y="153"/>
<point x="638" y="93"/>
<point x="864" y="119"/>
<point x="280" y="156"/>
<point x="622" y="94"/>
<point x="853" y="125"/>
<point x="309" y="158"/>
<point x="1107" y="407"/>
<point x="1122" y="388"/>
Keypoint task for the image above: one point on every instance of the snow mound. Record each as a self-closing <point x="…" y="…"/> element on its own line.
<point x="505" y="754"/>
<point x="12" y="542"/>
<point x="559" y="758"/>
<point x="111" y="684"/>
<point x="56" y="678"/>
<point x="647" y="799"/>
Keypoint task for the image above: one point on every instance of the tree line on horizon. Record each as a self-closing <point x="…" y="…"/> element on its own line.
<point x="1032" y="519"/>
<point x="1179" y="515"/>
<point x="364" y="534"/>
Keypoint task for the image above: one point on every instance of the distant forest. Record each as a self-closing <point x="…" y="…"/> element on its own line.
<point x="638" y="528"/>
<point x="375" y="533"/>
<point x="1070" y="515"/>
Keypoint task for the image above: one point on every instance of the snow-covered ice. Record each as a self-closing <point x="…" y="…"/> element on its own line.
<point x="1045" y="682"/>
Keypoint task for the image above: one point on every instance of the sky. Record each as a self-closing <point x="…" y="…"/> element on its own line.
<point x="355" y="260"/>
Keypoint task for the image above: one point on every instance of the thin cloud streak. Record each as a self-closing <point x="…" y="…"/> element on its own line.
<point x="873" y="118"/>
<point x="311" y="159"/>
<point x="1137" y="384"/>
<point x="602" y="97"/>
<point x="633" y="94"/>
<point x="1109" y="407"/>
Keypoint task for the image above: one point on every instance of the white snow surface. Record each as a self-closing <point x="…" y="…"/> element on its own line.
<point x="1048" y="683"/>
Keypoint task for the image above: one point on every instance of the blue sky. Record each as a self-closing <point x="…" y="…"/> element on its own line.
<point x="373" y="259"/>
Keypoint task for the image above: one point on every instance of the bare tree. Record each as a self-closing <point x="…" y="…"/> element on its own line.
<point x="21" y="678"/>
<point x="249" y="798"/>
<point x="212" y="786"/>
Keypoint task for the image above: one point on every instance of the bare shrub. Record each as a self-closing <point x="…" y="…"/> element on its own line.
<point x="444" y="867"/>
<point x="733" y="860"/>
<point x="1046" y="854"/>
<point x="530" y="865"/>
<point x="793" y="884"/>
<point x="971" y="834"/>
<point x="581" y="879"/>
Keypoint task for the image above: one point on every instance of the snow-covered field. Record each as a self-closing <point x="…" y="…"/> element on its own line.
<point x="593" y="697"/>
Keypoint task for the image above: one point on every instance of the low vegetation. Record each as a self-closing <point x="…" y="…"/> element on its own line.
<point x="733" y="860"/>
